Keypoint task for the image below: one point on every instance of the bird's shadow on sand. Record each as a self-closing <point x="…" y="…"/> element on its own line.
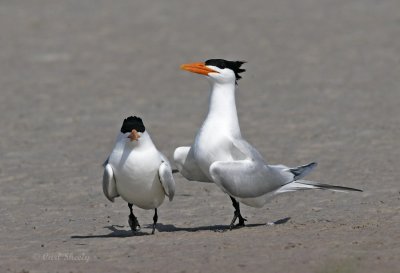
<point x="119" y="232"/>
<point x="116" y="232"/>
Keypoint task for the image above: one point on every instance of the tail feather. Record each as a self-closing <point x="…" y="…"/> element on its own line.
<point x="327" y="186"/>
<point x="302" y="171"/>
<point x="309" y="185"/>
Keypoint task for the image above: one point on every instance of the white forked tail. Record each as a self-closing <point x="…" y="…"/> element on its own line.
<point x="299" y="185"/>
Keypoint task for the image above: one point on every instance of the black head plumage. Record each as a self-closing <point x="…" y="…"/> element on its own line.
<point x="132" y="123"/>
<point x="233" y="65"/>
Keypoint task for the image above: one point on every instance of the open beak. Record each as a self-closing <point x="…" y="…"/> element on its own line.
<point x="199" y="68"/>
<point x="134" y="135"/>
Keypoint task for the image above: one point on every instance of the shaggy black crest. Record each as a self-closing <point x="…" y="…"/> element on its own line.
<point x="132" y="123"/>
<point x="235" y="66"/>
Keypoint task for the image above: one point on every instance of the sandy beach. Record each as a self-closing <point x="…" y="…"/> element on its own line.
<point x="322" y="84"/>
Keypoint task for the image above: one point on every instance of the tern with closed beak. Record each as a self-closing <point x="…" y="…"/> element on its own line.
<point x="137" y="171"/>
<point x="220" y="155"/>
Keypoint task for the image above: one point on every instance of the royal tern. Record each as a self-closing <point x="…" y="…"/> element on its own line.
<point x="219" y="154"/>
<point x="137" y="171"/>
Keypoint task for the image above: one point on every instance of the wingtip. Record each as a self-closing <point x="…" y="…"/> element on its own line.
<point x="110" y="199"/>
<point x="170" y="196"/>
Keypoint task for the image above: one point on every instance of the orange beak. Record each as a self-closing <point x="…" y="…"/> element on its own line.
<point x="199" y="68"/>
<point x="134" y="135"/>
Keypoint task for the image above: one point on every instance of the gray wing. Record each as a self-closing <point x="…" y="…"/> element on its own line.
<point x="249" y="152"/>
<point x="166" y="178"/>
<point x="187" y="165"/>
<point x="246" y="178"/>
<point x="109" y="187"/>
<point x="241" y="150"/>
<point x="249" y="175"/>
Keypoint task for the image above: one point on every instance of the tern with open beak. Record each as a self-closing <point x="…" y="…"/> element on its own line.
<point x="220" y="155"/>
<point x="137" y="171"/>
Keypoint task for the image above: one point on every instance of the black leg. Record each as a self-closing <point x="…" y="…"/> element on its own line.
<point x="155" y="219"/>
<point x="133" y="221"/>
<point x="237" y="214"/>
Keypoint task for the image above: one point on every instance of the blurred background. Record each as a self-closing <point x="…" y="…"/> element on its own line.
<point x="322" y="84"/>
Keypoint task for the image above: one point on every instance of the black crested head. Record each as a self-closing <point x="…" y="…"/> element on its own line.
<point x="233" y="65"/>
<point x="132" y="123"/>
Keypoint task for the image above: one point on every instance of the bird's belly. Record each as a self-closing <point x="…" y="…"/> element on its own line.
<point x="257" y="202"/>
<point x="138" y="182"/>
<point x="143" y="193"/>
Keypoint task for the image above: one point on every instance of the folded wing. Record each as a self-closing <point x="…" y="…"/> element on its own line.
<point x="166" y="179"/>
<point x="245" y="178"/>
<point x="109" y="187"/>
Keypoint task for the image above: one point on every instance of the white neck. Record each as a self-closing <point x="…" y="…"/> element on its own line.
<point x="222" y="108"/>
<point x="145" y="141"/>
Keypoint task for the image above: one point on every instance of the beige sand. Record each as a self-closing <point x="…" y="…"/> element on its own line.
<point x="322" y="83"/>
